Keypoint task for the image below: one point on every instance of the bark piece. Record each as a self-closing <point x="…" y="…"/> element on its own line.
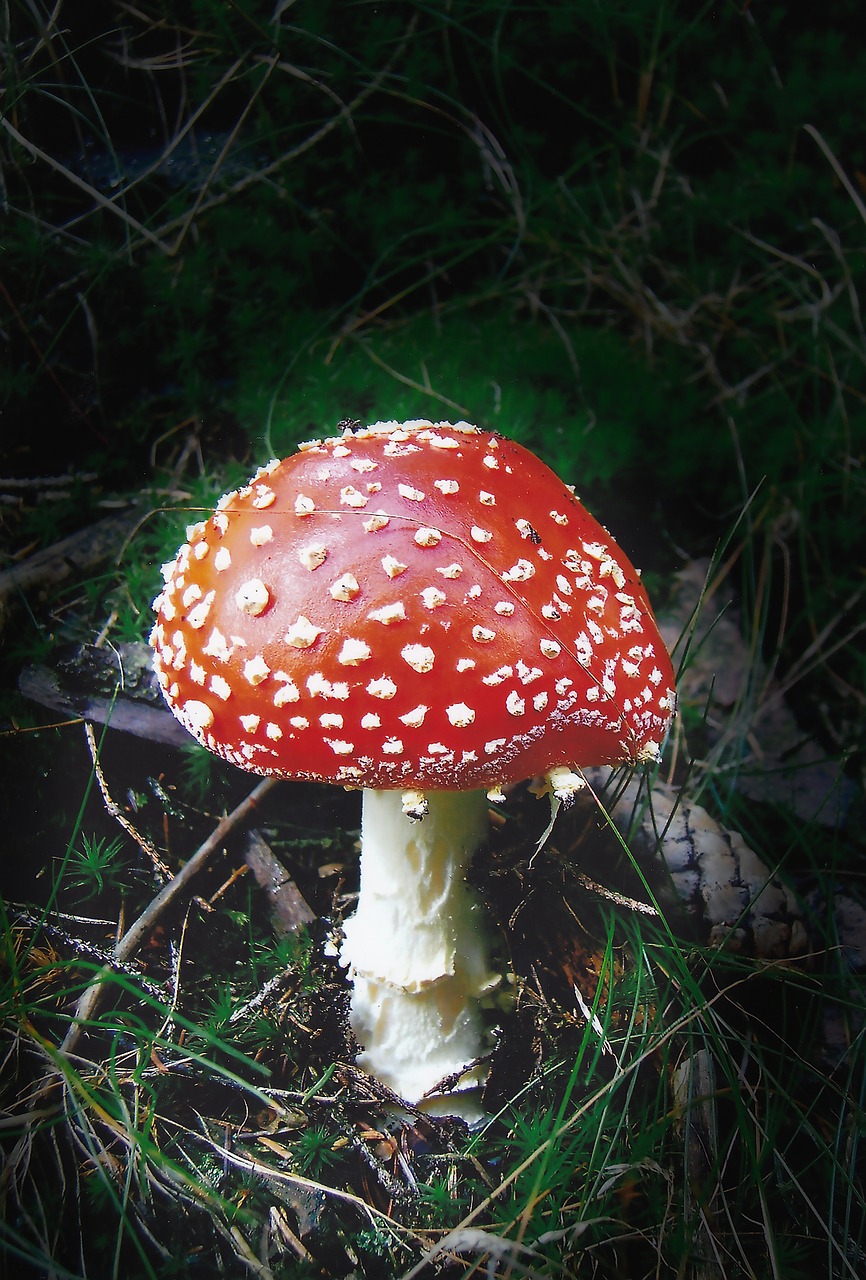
<point x="289" y="909"/>
<point x="113" y="685"/>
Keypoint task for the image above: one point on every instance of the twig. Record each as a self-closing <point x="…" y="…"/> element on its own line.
<point x="48" y="482"/>
<point x="85" y="948"/>
<point x="117" y="813"/>
<point x="136" y="933"/>
<point x="633" y="904"/>
<point x="261" y="997"/>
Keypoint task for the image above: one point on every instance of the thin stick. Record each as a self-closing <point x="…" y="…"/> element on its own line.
<point x="117" y="813"/>
<point x="84" y="948"/>
<point x="136" y="933"/>
<point x="610" y="895"/>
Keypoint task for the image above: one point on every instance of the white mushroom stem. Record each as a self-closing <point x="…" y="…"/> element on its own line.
<point x="415" y="947"/>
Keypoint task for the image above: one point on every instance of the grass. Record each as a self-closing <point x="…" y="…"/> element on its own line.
<point x="668" y="311"/>
<point x="689" y="1119"/>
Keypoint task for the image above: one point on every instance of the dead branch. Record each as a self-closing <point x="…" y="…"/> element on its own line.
<point x="69" y="558"/>
<point x="138" y="931"/>
<point x="117" y="813"/>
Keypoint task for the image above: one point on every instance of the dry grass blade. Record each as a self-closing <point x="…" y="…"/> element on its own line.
<point x="102" y="201"/>
<point x="169" y="237"/>
<point x="424" y="387"/>
<point x="840" y="173"/>
<point x="493" y="1249"/>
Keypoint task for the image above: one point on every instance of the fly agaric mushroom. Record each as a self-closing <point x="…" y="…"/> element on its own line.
<point x="426" y="612"/>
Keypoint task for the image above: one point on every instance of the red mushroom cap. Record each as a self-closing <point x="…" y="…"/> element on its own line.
<point x="410" y="605"/>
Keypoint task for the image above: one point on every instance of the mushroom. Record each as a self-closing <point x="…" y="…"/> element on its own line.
<point x="427" y="612"/>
